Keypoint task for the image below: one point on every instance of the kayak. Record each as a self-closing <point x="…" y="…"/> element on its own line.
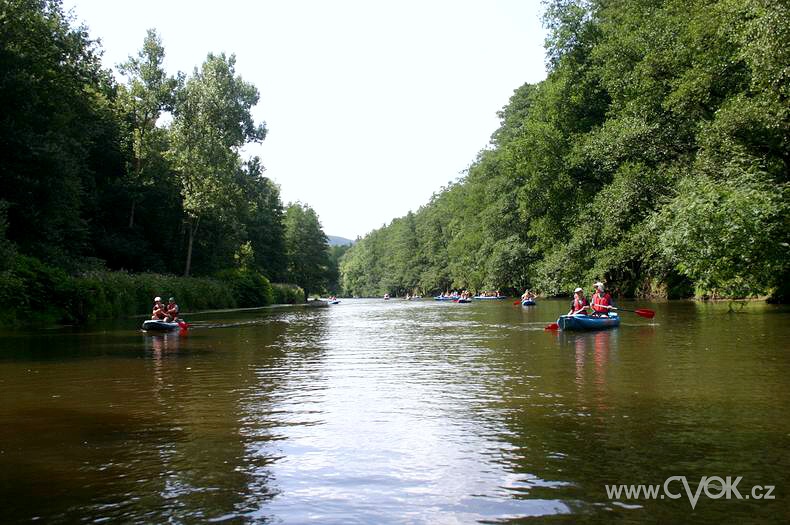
<point x="587" y="322"/>
<point x="527" y="302"/>
<point x="159" y="326"/>
<point x="483" y="297"/>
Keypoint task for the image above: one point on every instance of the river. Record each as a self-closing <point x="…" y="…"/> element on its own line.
<point x="396" y="411"/>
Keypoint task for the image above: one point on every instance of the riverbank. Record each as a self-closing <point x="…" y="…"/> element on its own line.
<point x="33" y="293"/>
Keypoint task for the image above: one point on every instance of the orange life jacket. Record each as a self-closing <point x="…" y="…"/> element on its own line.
<point x="598" y="302"/>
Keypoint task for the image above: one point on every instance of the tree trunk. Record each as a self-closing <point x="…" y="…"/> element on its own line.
<point x="131" y="214"/>
<point x="193" y="226"/>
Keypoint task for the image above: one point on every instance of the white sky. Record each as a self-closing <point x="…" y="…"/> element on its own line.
<point x="371" y="106"/>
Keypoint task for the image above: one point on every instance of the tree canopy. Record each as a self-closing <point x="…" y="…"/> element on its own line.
<point x="654" y="157"/>
<point x="145" y="173"/>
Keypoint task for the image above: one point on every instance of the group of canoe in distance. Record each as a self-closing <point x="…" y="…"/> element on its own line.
<point x="598" y="314"/>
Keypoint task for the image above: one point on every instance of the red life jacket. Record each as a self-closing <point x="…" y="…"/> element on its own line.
<point x="597" y="300"/>
<point x="578" y="304"/>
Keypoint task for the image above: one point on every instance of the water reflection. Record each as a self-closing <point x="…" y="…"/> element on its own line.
<point x="378" y="412"/>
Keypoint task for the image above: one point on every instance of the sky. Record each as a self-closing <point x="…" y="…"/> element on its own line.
<point x="371" y="106"/>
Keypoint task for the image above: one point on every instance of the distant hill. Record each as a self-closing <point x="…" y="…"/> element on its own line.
<point x="338" y="241"/>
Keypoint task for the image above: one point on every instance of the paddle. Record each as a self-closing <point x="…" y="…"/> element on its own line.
<point x="642" y="312"/>
<point x="552" y="326"/>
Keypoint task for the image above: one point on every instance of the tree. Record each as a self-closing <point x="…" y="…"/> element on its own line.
<point x="59" y="135"/>
<point x="212" y="121"/>
<point x="263" y="217"/>
<point x="307" y="248"/>
<point x="147" y="93"/>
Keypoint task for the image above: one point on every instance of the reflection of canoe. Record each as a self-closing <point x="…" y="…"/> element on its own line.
<point x="587" y="322"/>
<point x="159" y="326"/>
<point x="484" y="297"/>
<point x="463" y="301"/>
<point x="527" y="302"/>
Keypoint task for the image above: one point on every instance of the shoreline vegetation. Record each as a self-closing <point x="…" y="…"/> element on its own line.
<point x="654" y="158"/>
<point x="114" y="181"/>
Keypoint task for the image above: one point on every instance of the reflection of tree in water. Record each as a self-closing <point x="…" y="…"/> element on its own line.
<point x="208" y="388"/>
<point x="285" y="378"/>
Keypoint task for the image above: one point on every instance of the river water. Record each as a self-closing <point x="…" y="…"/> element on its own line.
<point x="377" y="411"/>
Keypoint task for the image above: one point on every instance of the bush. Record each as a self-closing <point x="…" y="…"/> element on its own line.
<point x="41" y="294"/>
<point x="250" y="288"/>
<point x="287" y="293"/>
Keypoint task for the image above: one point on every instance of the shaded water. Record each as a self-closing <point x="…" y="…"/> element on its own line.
<point x="392" y="412"/>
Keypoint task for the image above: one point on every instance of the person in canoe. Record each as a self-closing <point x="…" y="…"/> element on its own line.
<point x="527" y="295"/>
<point x="579" y="304"/>
<point x="172" y="310"/>
<point x="160" y="310"/>
<point x="601" y="301"/>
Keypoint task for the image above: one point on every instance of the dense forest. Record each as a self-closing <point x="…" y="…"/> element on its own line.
<point x="654" y="157"/>
<point x="136" y="172"/>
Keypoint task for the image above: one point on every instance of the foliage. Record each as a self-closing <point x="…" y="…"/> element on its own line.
<point x="287" y="294"/>
<point x="93" y="178"/>
<point x="307" y="249"/>
<point x="249" y="288"/>
<point x="212" y="121"/>
<point x="654" y="157"/>
<point x="40" y="293"/>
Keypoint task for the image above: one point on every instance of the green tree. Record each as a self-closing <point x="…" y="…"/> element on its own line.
<point x="263" y="217"/>
<point x="147" y="93"/>
<point x="59" y="133"/>
<point x="212" y="121"/>
<point x="307" y="248"/>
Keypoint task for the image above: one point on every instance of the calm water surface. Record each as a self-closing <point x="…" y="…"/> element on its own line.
<point x="397" y="412"/>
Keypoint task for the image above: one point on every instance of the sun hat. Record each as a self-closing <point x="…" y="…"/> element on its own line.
<point x="172" y="299"/>
<point x="599" y="285"/>
<point x="157" y="299"/>
<point x="578" y="290"/>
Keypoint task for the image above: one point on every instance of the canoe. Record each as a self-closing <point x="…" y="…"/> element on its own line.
<point x="159" y="326"/>
<point x="483" y="297"/>
<point x="527" y="302"/>
<point x="445" y="298"/>
<point x="334" y="302"/>
<point x="587" y="322"/>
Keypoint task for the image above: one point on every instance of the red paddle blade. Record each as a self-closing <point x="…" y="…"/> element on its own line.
<point x="183" y="325"/>
<point x="516" y="303"/>
<point x="552" y="326"/>
<point x="645" y="313"/>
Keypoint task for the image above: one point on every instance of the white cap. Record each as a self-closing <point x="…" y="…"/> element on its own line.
<point x="578" y="290"/>
<point x="599" y="285"/>
<point x="157" y="299"/>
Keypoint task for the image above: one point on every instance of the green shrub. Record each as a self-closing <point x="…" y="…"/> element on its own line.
<point x="35" y="293"/>
<point x="250" y="288"/>
<point x="287" y="293"/>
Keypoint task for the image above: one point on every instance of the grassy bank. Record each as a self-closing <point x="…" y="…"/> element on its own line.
<point x="34" y="293"/>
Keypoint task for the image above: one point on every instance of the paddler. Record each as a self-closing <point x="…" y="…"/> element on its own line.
<point x="601" y="301"/>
